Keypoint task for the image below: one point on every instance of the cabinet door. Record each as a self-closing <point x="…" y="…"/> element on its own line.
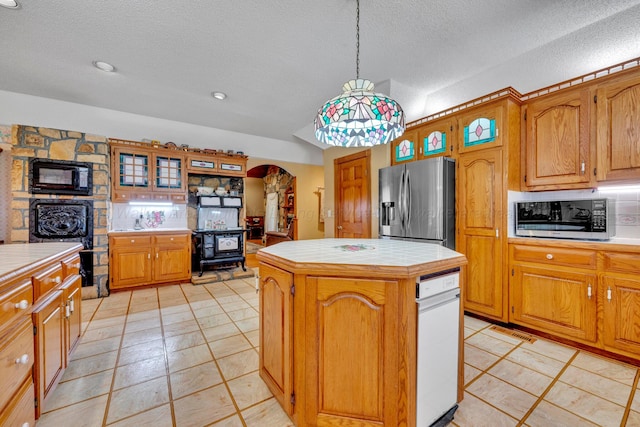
<point x="172" y="258"/>
<point x="276" y="333"/>
<point x="618" y="130"/>
<point x="351" y="333"/>
<point x="480" y="128"/>
<point x="168" y="172"/>
<point x="436" y="139"/>
<point x="621" y="308"/>
<point x="130" y="262"/>
<point x="232" y="165"/>
<point x="73" y="318"/>
<point x="405" y="148"/>
<point x="557" y="148"/>
<point x="131" y="168"/>
<point x="48" y="318"/>
<point x="555" y="301"/>
<point x="480" y="232"/>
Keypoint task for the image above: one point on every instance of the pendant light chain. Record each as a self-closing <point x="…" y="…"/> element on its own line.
<point x="357" y="39"/>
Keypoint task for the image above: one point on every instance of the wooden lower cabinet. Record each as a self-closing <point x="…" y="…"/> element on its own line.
<point x="49" y="321"/>
<point x="16" y="360"/>
<point x="20" y="412"/>
<point x="140" y="258"/>
<point x="72" y="288"/>
<point x="365" y="351"/>
<point x="276" y="333"/>
<point x="588" y="293"/>
<point x="554" y="301"/>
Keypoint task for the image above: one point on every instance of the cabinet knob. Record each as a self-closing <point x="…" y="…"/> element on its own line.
<point x="71" y="305"/>
<point x="25" y="424"/>
<point x="22" y="360"/>
<point x="58" y="279"/>
<point x="77" y="265"/>
<point x="549" y="256"/>
<point x="22" y="305"/>
<point x="133" y="241"/>
<point x="172" y="239"/>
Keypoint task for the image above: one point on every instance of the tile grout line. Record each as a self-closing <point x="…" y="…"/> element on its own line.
<point x="115" y="368"/>
<point x="627" y="409"/>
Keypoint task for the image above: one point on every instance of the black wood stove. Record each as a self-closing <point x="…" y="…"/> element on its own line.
<point x="218" y="247"/>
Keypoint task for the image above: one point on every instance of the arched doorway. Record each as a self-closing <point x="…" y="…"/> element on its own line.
<point x="270" y="198"/>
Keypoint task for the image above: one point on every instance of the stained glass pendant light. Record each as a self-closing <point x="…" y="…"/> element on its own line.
<point x="359" y="117"/>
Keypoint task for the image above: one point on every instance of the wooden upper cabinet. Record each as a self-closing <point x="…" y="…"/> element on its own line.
<point x="618" y="129"/>
<point x="436" y="138"/>
<point x="481" y="128"/>
<point x="217" y="164"/>
<point x="557" y="141"/>
<point x="147" y="173"/>
<point x="405" y="148"/>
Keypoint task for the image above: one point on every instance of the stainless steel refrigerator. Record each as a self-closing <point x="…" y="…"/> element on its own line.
<point x="417" y="201"/>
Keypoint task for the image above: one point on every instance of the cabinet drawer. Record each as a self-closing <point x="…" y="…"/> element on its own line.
<point x="122" y="241"/>
<point x="622" y="262"/>
<point x="16" y="359"/>
<point x="555" y="256"/>
<point x="171" y="239"/>
<point x="20" y="411"/>
<point x="17" y="300"/>
<point x="47" y="280"/>
<point x="70" y="266"/>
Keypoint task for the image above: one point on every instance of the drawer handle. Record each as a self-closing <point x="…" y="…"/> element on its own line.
<point x="54" y="280"/>
<point x="71" y="305"/>
<point x="67" y="311"/>
<point x="549" y="256"/>
<point x="22" y="305"/>
<point x="589" y="291"/>
<point x="22" y="360"/>
<point x="77" y="265"/>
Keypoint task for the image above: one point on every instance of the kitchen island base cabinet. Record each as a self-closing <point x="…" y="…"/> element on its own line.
<point x="352" y="334"/>
<point x="338" y="340"/>
<point x="276" y="333"/>
<point x="49" y="321"/>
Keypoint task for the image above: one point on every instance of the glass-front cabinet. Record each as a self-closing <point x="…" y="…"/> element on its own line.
<point x="147" y="174"/>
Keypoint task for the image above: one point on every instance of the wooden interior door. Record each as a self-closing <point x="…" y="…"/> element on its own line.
<point x="353" y="195"/>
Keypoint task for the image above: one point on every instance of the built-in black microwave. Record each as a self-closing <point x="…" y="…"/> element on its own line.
<point x="48" y="176"/>
<point x="591" y="219"/>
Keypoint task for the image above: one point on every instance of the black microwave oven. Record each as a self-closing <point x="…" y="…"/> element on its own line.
<point x="47" y="176"/>
<point x="591" y="219"/>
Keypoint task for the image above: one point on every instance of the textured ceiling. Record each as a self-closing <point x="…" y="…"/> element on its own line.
<point x="278" y="61"/>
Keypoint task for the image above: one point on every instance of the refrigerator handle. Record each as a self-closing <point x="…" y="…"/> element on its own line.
<point x="408" y="199"/>
<point x="401" y="201"/>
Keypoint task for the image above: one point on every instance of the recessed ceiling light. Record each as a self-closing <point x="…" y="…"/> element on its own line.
<point x="10" y="4"/>
<point x="219" y="95"/>
<point x="104" y="66"/>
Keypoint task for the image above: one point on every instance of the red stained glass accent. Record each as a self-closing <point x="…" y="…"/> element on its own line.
<point x="435" y="141"/>
<point x="479" y="131"/>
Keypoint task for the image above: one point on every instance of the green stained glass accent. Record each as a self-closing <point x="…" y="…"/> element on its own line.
<point x="405" y="151"/>
<point x="435" y="143"/>
<point x="480" y="131"/>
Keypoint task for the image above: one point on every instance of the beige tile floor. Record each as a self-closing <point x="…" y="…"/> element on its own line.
<point x="187" y="355"/>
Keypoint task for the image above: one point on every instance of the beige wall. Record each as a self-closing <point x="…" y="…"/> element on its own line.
<point x="308" y="179"/>
<point x="254" y="196"/>
<point x="380" y="157"/>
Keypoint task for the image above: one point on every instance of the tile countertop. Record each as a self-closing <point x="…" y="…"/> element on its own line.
<point x="150" y="230"/>
<point x="378" y="252"/>
<point x="15" y="256"/>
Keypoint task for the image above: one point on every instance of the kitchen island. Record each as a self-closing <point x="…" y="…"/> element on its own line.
<point x="338" y="327"/>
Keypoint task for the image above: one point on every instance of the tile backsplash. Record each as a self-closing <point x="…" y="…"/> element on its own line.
<point x="627" y="207"/>
<point x="124" y="216"/>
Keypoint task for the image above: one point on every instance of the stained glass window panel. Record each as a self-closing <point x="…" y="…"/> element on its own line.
<point x="405" y="150"/>
<point x="480" y="131"/>
<point x="436" y="142"/>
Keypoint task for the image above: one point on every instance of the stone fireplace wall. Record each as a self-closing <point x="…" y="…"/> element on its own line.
<point x="58" y="144"/>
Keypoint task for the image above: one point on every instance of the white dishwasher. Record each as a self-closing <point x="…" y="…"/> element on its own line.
<point x="438" y="300"/>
